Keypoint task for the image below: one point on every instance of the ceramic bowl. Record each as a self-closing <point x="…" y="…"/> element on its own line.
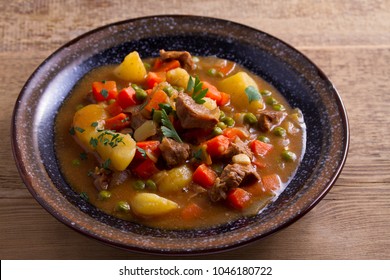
<point x="302" y="83"/>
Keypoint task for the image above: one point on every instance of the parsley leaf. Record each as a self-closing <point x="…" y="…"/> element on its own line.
<point x="84" y="196"/>
<point x="252" y="93"/>
<point x="197" y="92"/>
<point x="167" y="128"/>
<point x="94" y="124"/>
<point x="104" y="93"/>
<point x="106" y="164"/>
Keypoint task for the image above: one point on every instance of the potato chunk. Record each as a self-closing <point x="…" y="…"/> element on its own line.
<point x="150" y="204"/>
<point x="235" y="85"/>
<point x="178" y="77"/>
<point x="173" y="180"/>
<point x="132" y="68"/>
<point x="88" y="123"/>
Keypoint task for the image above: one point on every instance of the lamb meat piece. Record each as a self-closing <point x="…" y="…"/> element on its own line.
<point x="232" y="176"/>
<point x="238" y="147"/>
<point x="101" y="178"/>
<point x="173" y="152"/>
<point x="269" y="119"/>
<point x="184" y="58"/>
<point x="194" y="115"/>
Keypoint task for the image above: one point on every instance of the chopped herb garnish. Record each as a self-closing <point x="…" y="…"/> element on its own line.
<point x="75" y="162"/>
<point x="72" y="131"/>
<point x="104" y="93"/>
<point x="252" y="93"/>
<point x="167" y="128"/>
<point x="106" y="164"/>
<point x="141" y="151"/>
<point x="84" y="196"/>
<point x="94" y="124"/>
<point x="93" y="142"/>
<point x="83" y="156"/>
<point x="196" y="88"/>
<point x="113" y="142"/>
<point x="79" y="129"/>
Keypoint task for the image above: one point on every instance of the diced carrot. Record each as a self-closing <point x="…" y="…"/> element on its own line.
<point x="260" y="148"/>
<point x="238" y="198"/>
<point x="151" y="149"/>
<point x="105" y="90"/>
<point x="212" y="92"/>
<point x="126" y="97"/>
<point x="114" y="109"/>
<point x="158" y="97"/>
<point x="227" y="68"/>
<point x="146" y="169"/>
<point x="117" y="122"/>
<point x="259" y="163"/>
<point x="218" y="145"/>
<point x="225" y="98"/>
<point x="170" y="65"/>
<point x="157" y="63"/>
<point x="191" y="211"/>
<point x="271" y="182"/>
<point x="204" y="176"/>
<point x="154" y="78"/>
<point x="233" y="132"/>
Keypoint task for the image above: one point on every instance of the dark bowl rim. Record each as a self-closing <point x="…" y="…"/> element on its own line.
<point x="27" y="181"/>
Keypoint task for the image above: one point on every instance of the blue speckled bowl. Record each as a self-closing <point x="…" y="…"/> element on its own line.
<point x="295" y="76"/>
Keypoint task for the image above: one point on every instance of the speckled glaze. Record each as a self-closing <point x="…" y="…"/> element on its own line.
<point x="295" y="76"/>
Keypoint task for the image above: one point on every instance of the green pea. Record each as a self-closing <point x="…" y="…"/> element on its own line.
<point x="264" y="139"/>
<point x="123" y="206"/>
<point x="222" y="115"/>
<point x="212" y="72"/>
<point x="139" y="185"/>
<point x="150" y="184"/>
<point x="221" y="125"/>
<point x="250" y="118"/>
<point x="157" y="114"/>
<point x="220" y="74"/>
<point x="265" y="92"/>
<point x="270" y="100"/>
<point x="217" y="131"/>
<point x="278" y="107"/>
<point x="111" y="101"/>
<point x="289" y="156"/>
<point x="229" y="121"/>
<point x="169" y="90"/>
<point x="147" y="66"/>
<point x="280" y="131"/>
<point x="104" y="195"/>
<point x="140" y="94"/>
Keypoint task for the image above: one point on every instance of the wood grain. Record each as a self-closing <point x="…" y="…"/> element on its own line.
<point x="348" y="40"/>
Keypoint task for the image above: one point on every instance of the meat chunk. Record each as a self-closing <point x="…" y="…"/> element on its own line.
<point x="184" y="58"/>
<point x="269" y="119"/>
<point x="101" y="178"/>
<point x="232" y="176"/>
<point x="173" y="152"/>
<point x="194" y="115"/>
<point x="238" y="147"/>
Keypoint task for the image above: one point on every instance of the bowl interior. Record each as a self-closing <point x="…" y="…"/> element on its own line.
<point x="296" y="77"/>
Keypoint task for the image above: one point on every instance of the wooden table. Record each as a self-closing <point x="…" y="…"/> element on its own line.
<point x="349" y="40"/>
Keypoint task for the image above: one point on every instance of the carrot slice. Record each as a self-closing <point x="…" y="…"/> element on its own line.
<point x="105" y="90"/>
<point x="218" y="145"/>
<point x="191" y="211"/>
<point x="271" y="183"/>
<point x="238" y="198"/>
<point x="117" y="122"/>
<point x="260" y="148"/>
<point x="204" y="176"/>
<point x="158" y="97"/>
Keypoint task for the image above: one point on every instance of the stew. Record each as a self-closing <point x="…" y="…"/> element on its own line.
<point x="178" y="141"/>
